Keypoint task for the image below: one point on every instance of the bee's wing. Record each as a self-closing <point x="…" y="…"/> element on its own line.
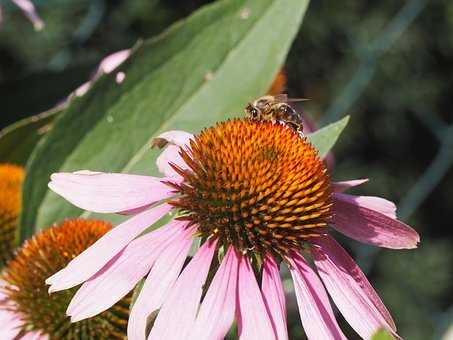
<point x="283" y="98"/>
<point x="295" y="100"/>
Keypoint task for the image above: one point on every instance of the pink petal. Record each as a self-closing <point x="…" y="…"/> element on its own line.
<point x="173" y="140"/>
<point x="181" y="306"/>
<point x="217" y="309"/>
<point x="107" y="193"/>
<point x="158" y="283"/>
<point x="369" y="220"/>
<point x="90" y="261"/>
<point x="274" y="297"/>
<point x="350" y="290"/>
<point x="29" y="10"/>
<point x="10" y="324"/>
<point x="3" y="294"/>
<point x="170" y="155"/>
<point x="175" y="137"/>
<point x="314" y="307"/>
<point x="378" y="204"/>
<point x="120" y="275"/>
<point x="345" y="185"/>
<point x="253" y="320"/>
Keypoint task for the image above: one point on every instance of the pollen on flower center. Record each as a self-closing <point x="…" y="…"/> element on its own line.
<point x="27" y="294"/>
<point x="256" y="185"/>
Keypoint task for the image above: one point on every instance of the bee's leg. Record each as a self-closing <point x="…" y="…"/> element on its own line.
<point x="293" y="126"/>
<point x="300" y="130"/>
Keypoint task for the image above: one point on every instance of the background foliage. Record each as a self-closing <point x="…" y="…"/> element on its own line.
<point x="388" y="64"/>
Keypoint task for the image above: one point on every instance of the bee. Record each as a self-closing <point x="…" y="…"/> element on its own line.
<point x="275" y="108"/>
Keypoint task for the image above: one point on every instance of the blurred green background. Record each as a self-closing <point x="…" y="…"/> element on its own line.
<point x="388" y="64"/>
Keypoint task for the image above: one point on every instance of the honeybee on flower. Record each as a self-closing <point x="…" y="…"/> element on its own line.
<point x="276" y="108"/>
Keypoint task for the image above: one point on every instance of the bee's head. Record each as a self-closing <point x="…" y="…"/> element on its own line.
<point x="252" y="112"/>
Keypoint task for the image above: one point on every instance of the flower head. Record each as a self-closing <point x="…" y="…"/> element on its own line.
<point x="11" y="177"/>
<point x="256" y="195"/>
<point x="259" y="194"/>
<point x="23" y="292"/>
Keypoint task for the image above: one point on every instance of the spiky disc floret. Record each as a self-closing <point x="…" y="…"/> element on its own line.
<point x="11" y="177"/>
<point x="256" y="185"/>
<point x="44" y="255"/>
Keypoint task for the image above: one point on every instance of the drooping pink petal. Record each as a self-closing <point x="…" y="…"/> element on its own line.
<point x="370" y="220"/>
<point x="175" y="137"/>
<point x="91" y="260"/>
<point x="253" y="320"/>
<point x="350" y="289"/>
<point x="217" y="309"/>
<point x="274" y="297"/>
<point x="170" y="155"/>
<point x="121" y="274"/>
<point x="158" y="283"/>
<point x="107" y="192"/>
<point x="315" y="311"/>
<point x="345" y="185"/>
<point x="30" y="12"/>
<point x="181" y="306"/>
<point x="10" y="324"/>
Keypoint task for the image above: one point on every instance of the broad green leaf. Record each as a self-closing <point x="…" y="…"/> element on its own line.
<point x="382" y="335"/>
<point x="18" y="140"/>
<point x="202" y="70"/>
<point x="324" y="139"/>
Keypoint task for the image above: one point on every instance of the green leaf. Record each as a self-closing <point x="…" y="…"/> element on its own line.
<point x="382" y="335"/>
<point x="324" y="139"/>
<point x="18" y="140"/>
<point x="201" y="70"/>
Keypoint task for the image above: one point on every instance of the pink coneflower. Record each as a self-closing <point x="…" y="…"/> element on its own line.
<point x="256" y="196"/>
